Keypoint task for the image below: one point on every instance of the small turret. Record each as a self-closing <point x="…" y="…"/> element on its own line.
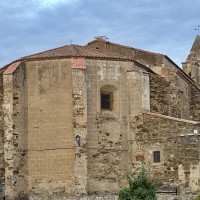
<point x="192" y="64"/>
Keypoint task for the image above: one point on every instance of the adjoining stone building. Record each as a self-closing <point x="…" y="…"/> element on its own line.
<point x="76" y="119"/>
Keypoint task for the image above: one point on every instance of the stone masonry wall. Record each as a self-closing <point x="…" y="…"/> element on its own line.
<point x="170" y="95"/>
<point x="2" y="170"/>
<point x="159" y="97"/>
<point x="195" y="104"/>
<point x="189" y="169"/>
<point x="192" y="69"/>
<point x="138" y="92"/>
<point x="8" y="134"/>
<point x="179" y="92"/>
<point x="20" y="136"/>
<point x="107" y="130"/>
<point x="50" y="132"/>
<point x="80" y="129"/>
<point x="144" y="57"/>
<point x="111" y="197"/>
<point x="152" y="133"/>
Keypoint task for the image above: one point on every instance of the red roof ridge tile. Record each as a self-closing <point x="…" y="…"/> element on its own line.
<point x="11" y="68"/>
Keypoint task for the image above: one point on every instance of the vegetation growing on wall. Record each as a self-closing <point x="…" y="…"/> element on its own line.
<point x="141" y="186"/>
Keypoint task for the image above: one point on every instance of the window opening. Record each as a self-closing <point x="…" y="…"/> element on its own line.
<point x="106" y="101"/>
<point x="156" y="156"/>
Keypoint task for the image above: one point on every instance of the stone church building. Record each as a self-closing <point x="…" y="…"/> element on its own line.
<point x="76" y="119"/>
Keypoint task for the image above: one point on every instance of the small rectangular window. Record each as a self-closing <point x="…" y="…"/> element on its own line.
<point x="156" y="156"/>
<point x="106" y="101"/>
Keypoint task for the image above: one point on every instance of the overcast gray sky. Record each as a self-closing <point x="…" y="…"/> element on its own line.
<point x="162" y="26"/>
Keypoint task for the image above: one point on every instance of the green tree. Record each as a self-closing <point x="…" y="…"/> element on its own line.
<point x="141" y="186"/>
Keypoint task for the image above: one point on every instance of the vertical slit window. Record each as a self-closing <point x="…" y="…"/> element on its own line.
<point x="106" y="101"/>
<point x="156" y="156"/>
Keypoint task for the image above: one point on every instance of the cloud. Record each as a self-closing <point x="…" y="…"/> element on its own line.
<point x="35" y="25"/>
<point x="53" y="2"/>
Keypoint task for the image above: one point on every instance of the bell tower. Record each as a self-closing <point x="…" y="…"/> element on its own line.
<point x="192" y="64"/>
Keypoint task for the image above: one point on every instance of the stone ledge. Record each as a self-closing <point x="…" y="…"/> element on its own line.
<point x="171" y="118"/>
<point x="109" y="197"/>
<point x="92" y="197"/>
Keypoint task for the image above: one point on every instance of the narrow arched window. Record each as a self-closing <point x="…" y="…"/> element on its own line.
<point x="108" y="97"/>
<point x="106" y="101"/>
<point x="156" y="156"/>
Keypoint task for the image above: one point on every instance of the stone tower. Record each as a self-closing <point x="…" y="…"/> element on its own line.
<point x="192" y="64"/>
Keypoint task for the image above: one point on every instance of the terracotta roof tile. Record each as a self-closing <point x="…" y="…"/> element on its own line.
<point x="75" y="51"/>
<point x="11" y="68"/>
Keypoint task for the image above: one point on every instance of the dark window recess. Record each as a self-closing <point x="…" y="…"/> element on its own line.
<point x="156" y="156"/>
<point x="106" y="102"/>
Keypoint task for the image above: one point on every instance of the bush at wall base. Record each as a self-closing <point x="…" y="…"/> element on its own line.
<point x="141" y="187"/>
<point x="197" y="197"/>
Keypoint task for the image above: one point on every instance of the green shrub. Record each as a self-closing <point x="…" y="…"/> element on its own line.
<point x="197" y="197"/>
<point x="141" y="187"/>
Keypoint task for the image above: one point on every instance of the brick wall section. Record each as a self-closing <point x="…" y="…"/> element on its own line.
<point x="107" y="131"/>
<point x="152" y="133"/>
<point x="50" y="131"/>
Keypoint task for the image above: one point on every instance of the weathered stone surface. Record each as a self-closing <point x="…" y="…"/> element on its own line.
<point x="105" y="197"/>
<point x="178" y="146"/>
<point x="47" y="103"/>
<point x="80" y="129"/>
<point x="109" y="197"/>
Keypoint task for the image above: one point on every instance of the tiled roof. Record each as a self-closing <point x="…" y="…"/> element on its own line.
<point x="71" y="51"/>
<point x="75" y="51"/>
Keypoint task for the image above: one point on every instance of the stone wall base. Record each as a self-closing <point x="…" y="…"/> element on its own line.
<point x="92" y="197"/>
<point x="109" y="197"/>
<point x="174" y="197"/>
